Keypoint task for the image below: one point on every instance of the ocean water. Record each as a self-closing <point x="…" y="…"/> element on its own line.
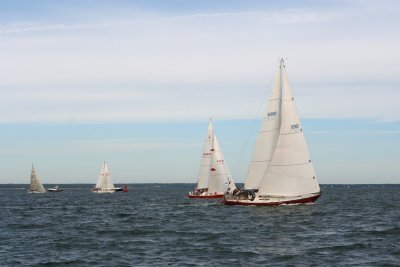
<point x="156" y="225"/>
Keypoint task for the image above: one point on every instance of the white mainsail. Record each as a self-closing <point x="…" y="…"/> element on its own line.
<point x="104" y="182"/>
<point x="205" y="163"/>
<point x="267" y="137"/>
<point x="290" y="173"/>
<point x="220" y="177"/>
<point x="35" y="185"/>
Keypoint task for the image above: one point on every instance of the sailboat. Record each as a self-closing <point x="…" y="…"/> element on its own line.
<point x="104" y="182"/>
<point x="281" y="171"/>
<point x="214" y="176"/>
<point x="35" y="186"/>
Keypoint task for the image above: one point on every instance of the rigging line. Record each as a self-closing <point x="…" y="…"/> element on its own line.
<point x="260" y="106"/>
<point x="270" y="130"/>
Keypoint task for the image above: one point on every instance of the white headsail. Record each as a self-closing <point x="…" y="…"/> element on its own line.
<point x="220" y="177"/>
<point x="35" y="185"/>
<point x="267" y="137"/>
<point x="290" y="172"/>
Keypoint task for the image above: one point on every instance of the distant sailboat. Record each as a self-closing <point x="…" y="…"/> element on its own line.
<point x="214" y="177"/>
<point x="55" y="189"/>
<point x="104" y="182"/>
<point x="35" y="186"/>
<point x="281" y="171"/>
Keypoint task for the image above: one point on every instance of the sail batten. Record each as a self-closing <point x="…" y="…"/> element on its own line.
<point x="289" y="164"/>
<point x="267" y="131"/>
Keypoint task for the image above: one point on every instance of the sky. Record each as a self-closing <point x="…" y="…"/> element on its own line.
<point x="135" y="82"/>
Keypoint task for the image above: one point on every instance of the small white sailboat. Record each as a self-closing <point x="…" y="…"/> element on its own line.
<point x="214" y="176"/>
<point x="281" y="171"/>
<point x="104" y="182"/>
<point x="35" y="186"/>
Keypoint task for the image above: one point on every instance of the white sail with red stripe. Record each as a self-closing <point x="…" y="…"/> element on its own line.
<point x="104" y="182"/>
<point x="214" y="176"/>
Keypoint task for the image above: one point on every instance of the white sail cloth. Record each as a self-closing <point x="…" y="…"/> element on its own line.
<point x="267" y="138"/>
<point x="206" y="158"/>
<point x="104" y="181"/>
<point x="281" y="163"/>
<point x="35" y="185"/>
<point x="214" y="174"/>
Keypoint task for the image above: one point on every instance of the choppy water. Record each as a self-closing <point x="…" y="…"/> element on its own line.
<point x="156" y="225"/>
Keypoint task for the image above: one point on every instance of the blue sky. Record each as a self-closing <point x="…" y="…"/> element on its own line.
<point x="134" y="83"/>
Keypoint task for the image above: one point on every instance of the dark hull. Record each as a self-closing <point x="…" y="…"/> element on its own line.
<point x="295" y="201"/>
<point x="210" y="196"/>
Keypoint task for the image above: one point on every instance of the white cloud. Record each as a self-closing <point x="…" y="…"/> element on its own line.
<point x="182" y="67"/>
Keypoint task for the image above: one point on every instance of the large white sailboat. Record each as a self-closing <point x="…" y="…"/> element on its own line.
<point x="104" y="182"/>
<point x="281" y="171"/>
<point x="214" y="176"/>
<point x="35" y="185"/>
